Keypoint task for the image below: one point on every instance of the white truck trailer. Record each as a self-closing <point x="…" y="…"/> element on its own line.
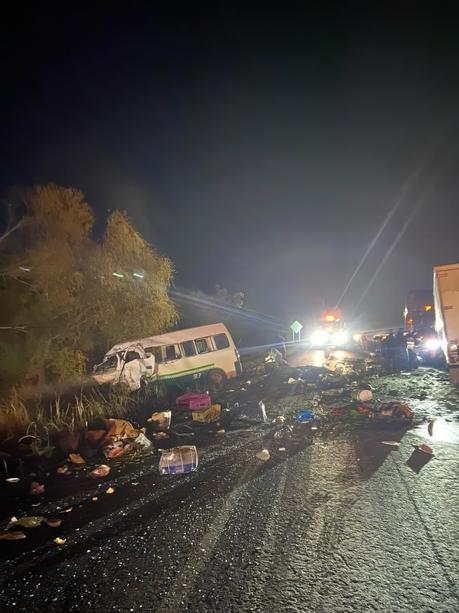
<point x="446" y="299"/>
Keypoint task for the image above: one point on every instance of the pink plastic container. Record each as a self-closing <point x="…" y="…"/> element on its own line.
<point x="193" y="402"/>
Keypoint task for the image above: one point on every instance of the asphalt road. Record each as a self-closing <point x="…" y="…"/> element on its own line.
<point x="336" y="523"/>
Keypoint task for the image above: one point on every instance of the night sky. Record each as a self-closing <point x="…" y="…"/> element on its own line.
<point x="259" y="149"/>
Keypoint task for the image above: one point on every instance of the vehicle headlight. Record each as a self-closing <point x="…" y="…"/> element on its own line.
<point x="340" y="338"/>
<point x="319" y="337"/>
<point x="432" y="344"/>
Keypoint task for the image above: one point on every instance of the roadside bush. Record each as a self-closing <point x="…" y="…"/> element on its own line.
<point x="66" y="295"/>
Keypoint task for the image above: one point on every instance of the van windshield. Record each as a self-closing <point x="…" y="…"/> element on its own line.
<point x="108" y="364"/>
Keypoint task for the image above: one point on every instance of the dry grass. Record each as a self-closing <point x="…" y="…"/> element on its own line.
<point x="19" y="417"/>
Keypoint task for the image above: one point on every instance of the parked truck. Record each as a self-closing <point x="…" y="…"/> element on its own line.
<point x="446" y="298"/>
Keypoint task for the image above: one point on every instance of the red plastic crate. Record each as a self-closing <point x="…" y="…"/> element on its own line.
<point x="193" y="402"/>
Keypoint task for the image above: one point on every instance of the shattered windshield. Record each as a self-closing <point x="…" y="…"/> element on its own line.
<point x="110" y="363"/>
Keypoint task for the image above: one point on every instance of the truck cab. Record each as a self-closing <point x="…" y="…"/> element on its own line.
<point x="331" y="330"/>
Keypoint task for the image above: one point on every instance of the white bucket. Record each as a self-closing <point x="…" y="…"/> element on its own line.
<point x="362" y="395"/>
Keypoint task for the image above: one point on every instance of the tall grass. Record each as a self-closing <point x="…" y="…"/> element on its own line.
<point x="19" y="417"/>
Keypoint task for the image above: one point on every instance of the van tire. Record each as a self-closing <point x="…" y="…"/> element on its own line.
<point x="216" y="379"/>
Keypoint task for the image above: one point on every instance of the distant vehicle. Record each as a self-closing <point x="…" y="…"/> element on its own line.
<point x="446" y="297"/>
<point x="419" y="311"/>
<point x="205" y="352"/>
<point x="331" y="330"/>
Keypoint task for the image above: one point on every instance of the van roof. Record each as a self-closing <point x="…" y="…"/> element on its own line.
<point x="171" y="338"/>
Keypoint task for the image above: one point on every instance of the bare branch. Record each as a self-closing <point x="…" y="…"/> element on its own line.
<point x="16" y="328"/>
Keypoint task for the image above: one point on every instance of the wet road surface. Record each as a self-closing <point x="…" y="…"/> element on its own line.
<point x="336" y="523"/>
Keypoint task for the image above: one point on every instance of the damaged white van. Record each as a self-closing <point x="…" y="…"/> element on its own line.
<point x="205" y="352"/>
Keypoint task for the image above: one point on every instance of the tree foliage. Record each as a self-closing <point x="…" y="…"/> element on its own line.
<point x="61" y="302"/>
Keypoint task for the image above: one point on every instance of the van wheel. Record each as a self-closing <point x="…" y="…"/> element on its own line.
<point x="216" y="379"/>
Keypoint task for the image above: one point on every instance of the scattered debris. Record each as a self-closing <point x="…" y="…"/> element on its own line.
<point x="178" y="460"/>
<point x="305" y="416"/>
<point x="63" y="470"/>
<point x="111" y="435"/>
<point x="261" y="404"/>
<point x="362" y="395"/>
<point x="282" y="449"/>
<point x="250" y="412"/>
<point x="430" y="426"/>
<point x="110" y="490"/>
<point x="100" y="471"/>
<point x="12" y="480"/>
<point x="76" y="458"/>
<point x="423" y="448"/>
<point x="283" y="432"/>
<point x="193" y="402"/>
<point x="160" y="435"/>
<point x="54" y="523"/>
<point x="60" y="541"/>
<point x="390" y="443"/>
<point x="66" y="510"/>
<point x="94" y="499"/>
<point x="142" y="442"/>
<point x="263" y="455"/>
<point x="279" y="420"/>
<point x="418" y="459"/>
<point x="32" y="521"/>
<point x="116" y="450"/>
<point x="36" y="488"/>
<point x="161" y="420"/>
<point x="340" y="411"/>
<point x="11" y="535"/>
<point x="394" y="410"/>
<point x="208" y="415"/>
<point x="221" y="431"/>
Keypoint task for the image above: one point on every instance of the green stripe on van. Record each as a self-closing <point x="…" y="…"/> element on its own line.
<point x="190" y="371"/>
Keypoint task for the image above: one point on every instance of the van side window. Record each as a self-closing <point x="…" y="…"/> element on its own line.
<point x="156" y="351"/>
<point x="221" y="341"/>
<point x="201" y="345"/>
<point x="131" y="355"/>
<point x="188" y="348"/>
<point x="172" y="353"/>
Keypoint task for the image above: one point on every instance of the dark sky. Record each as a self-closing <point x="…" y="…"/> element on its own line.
<point x="259" y="149"/>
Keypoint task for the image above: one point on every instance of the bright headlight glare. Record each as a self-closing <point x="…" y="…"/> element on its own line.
<point x="432" y="344"/>
<point x="319" y="337"/>
<point x="340" y="338"/>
